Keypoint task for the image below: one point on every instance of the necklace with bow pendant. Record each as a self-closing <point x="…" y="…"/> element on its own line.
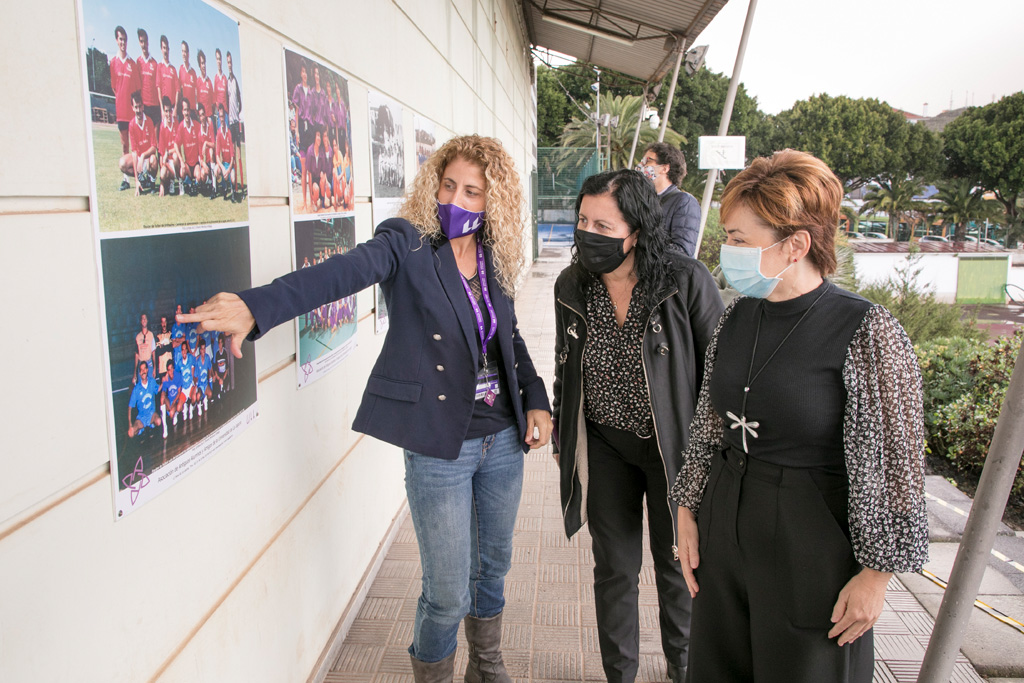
<point x="740" y="421"/>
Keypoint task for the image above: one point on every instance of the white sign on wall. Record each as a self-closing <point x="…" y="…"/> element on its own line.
<point x="722" y="151"/>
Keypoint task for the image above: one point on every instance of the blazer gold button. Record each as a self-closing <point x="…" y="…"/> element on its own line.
<point x="440" y="368"/>
<point x="441" y="397"/>
<point x="437" y="337"/>
<point x="515" y="366"/>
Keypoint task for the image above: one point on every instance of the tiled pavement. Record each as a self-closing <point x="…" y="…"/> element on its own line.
<point x="550" y="631"/>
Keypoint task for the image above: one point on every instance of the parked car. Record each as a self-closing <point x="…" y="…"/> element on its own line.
<point x="932" y="238"/>
<point x="968" y="238"/>
<point x="854" y="236"/>
<point x="876" y="236"/>
<point x="991" y="242"/>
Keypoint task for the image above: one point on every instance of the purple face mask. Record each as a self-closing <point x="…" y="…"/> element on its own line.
<point x="457" y="222"/>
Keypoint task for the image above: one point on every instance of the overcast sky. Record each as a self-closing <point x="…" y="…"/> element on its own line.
<point x="904" y="52"/>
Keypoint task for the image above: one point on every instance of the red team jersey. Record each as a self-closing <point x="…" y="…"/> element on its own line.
<point x="225" y="148"/>
<point x="207" y="141"/>
<point x="187" y="80"/>
<point x="220" y="92"/>
<point x="167" y="137"/>
<point x="124" y="80"/>
<point x="148" y="75"/>
<point x="144" y="138"/>
<point x="167" y="80"/>
<point x="190" y="142"/>
<point x="204" y="93"/>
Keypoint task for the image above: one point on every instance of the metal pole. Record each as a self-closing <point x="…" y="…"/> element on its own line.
<point x="681" y="44"/>
<point x="639" y="122"/>
<point x="597" y="122"/>
<point x="723" y="125"/>
<point x="969" y="567"/>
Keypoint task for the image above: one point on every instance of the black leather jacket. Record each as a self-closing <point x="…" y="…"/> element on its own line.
<point x="675" y="339"/>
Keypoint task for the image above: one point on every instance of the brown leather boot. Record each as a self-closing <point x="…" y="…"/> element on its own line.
<point x="484" y="638"/>
<point x="433" y="672"/>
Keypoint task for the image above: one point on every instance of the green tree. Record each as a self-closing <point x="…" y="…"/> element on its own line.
<point x="894" y="197"/>
<point x="97" y="68"/>
<point x="986" y="146"/>
<point x="861" y="140"/>
<point x="554" y="109"/>
<point x="697" y="109"/>
<point x="696" y="106"/>
<point x="961" y="203"/>
<point x="922" y="158"/>
<point x="616" y="141"/>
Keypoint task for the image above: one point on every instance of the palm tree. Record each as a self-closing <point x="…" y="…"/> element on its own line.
<point x="852" y="217"/>
<point x="616" y="141"/>
<point x="845" y="275"/>
<point x="962" y="203"/>
<point x="895" y="197"/>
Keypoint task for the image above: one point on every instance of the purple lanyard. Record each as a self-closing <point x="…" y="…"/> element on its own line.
<point x="481" y="272"/>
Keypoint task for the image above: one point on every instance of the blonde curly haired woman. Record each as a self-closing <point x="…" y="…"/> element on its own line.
<point x="454" y="384"/>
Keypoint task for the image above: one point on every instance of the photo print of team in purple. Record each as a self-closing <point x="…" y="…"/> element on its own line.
<point x="327" y="334"/>
<point x="319" y="137"/>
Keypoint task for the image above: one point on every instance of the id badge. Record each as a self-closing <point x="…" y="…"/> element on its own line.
<point x="487" y="384"/>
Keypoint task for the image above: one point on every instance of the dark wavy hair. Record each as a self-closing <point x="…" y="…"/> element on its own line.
<point x="641" y="209"/>
<point x="673" y="156"/>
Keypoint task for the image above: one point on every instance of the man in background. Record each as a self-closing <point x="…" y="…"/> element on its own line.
<point x="665" y="166"/>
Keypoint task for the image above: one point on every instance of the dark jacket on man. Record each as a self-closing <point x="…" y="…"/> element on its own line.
<point x="682" y="218"/>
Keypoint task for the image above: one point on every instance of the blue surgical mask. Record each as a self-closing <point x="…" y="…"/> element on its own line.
<point x="742" y="268"/>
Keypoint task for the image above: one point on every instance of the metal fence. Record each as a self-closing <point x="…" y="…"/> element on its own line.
<point x="560" y="174"/>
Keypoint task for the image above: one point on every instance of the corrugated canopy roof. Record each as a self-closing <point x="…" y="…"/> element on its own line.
<point x="639" y="39"/>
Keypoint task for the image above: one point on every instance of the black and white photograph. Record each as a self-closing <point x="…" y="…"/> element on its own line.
<point x="426" y="139"/>
<point x="387" y="142"/>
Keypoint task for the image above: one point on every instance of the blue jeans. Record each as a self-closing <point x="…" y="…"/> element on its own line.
<point x="464" y="513"/>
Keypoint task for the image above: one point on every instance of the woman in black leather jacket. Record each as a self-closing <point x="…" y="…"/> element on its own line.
<point x="632" y="323"/>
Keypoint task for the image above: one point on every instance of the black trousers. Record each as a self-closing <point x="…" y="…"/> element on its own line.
<point x="623" y="468"/>
<point x="774" y="554"/>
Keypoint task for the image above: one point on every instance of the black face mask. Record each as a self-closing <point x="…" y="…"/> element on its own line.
<point x="599" y="253"/>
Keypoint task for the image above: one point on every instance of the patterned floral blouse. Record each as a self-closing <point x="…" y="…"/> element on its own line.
<point x="614" y="386"/>
<point x="882" y="440"/>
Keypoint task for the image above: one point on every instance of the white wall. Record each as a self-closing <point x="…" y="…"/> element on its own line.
<point x="241" y="571"/>
<point x="1016" y="277"/>
<point x="938" y="271"/>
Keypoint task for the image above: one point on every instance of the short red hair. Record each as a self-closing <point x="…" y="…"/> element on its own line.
<point x="791" y="191"/>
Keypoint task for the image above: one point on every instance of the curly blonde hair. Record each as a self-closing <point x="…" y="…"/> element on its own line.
<point x="503" y="228"/>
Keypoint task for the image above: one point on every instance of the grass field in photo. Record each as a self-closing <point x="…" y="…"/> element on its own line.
<point x="122" y="210"/>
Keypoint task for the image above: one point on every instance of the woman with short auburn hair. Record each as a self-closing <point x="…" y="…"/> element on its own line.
<point x="792" y="191"/>
<point x="802" y="489"/>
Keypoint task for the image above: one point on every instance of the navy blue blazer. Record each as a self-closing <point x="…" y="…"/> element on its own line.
<point x="421" y="391"/>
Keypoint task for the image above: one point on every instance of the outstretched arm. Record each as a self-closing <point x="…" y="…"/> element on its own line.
<point x="224" y="312"/>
